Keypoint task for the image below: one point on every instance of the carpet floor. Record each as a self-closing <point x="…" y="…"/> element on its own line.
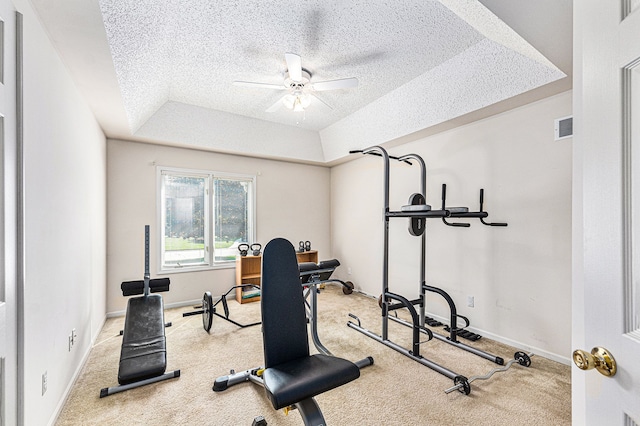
<point x="396" y="390"/>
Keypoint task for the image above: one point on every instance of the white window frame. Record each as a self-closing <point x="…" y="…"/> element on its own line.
<point x="209" y="238"/>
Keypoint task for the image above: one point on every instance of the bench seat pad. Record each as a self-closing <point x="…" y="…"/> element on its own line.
<point x="143" y="354"/>
<point x="306" y="377"/>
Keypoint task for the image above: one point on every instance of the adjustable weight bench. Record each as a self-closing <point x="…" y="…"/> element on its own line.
<point x="143" y="356"/>
<point x="291" y="376"/>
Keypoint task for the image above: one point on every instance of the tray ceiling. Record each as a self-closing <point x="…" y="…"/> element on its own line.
<point x="166" y="69"/>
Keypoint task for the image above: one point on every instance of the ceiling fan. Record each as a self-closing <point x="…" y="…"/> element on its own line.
<point x="297" y="83"/>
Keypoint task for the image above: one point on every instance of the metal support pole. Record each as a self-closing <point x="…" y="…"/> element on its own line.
<point x="378" y="150"/>
<point x="423" y="247"/>
<point x="147" y="276"/>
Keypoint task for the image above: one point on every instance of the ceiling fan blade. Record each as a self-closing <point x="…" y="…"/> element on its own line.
<point x="294" y="66"/>
<point x="259" y="85"/>
<point x="343" y="83"/>
<point x="275" y="107"/>
<point x="321" y="101"/>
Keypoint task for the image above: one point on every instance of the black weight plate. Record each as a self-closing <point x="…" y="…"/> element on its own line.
<point x="417" y="224"/>
<point x="347" y="288"/>
<point x="207" y="311"/>
<point x="465" y="386"/>
<point x="522" y="358"/>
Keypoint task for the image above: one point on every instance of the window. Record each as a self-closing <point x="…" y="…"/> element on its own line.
<point x="203" y="217"/>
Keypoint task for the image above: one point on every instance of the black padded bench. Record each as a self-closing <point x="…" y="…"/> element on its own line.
<point x="292" y="376"/>
<point x="144" y="353"/>
<point x="319" y="273"/>
<point x="143" y="356"/>
<point x="324" y="269"/>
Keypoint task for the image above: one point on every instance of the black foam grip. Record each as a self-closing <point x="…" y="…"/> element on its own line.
<point x="156" y="285"/>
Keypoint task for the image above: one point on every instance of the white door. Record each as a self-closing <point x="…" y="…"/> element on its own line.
<point x="9" y="376"/>
<point x="606" y="208"/>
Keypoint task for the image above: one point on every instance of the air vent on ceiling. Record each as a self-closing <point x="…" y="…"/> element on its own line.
<point x="563" y="128"/>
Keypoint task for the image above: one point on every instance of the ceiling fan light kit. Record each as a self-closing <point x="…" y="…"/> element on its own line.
<point x="296" y="101"/>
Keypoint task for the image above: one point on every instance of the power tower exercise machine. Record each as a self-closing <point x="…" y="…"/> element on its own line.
<point x="417" y="211"/>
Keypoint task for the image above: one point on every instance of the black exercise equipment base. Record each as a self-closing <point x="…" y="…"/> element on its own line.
<point x="417" y="324"/>
<point x="493" y="358"/>
<point x="422" y="360"/>
<point x="116" y="389"/>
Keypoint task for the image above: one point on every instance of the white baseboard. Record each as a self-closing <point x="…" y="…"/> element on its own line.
<point x="190" y="303"/>
<point x="519" y="345"/>
<point x="76" y="374"/>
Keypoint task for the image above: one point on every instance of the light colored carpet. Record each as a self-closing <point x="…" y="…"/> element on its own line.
<point x="394" y="391"/>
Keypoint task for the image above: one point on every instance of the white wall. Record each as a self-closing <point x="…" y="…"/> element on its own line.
<point x="292" y="201"/>
<point x="520" y="275"/>
<point x="65" y="224"/>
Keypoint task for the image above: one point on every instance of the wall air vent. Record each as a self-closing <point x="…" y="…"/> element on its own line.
<point x="563" y="128"/>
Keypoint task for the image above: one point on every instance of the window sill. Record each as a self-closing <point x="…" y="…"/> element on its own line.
<point x="228" y="265"/>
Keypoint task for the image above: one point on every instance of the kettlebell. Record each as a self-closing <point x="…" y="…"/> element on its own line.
<point x="307" y="245"/>
<point x="243" y="249"/>
<point x="301" y="245"/>
<point x="255" y="248"/>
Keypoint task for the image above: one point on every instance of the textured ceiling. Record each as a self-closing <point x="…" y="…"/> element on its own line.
<point x="419" y="63"/>
<point x="194" y="50"/>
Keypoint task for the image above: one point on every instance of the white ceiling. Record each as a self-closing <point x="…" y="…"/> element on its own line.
<point x="162" y="71"/>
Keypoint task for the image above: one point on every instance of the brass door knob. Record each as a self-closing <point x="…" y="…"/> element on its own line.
<point x="599" y="358"/>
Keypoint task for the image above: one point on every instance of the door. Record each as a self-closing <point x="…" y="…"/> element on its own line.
<point x="9" y="170"/>
<point x="606" y="208"/>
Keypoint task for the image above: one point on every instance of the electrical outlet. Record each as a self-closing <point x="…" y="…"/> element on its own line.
<point x="44" y="383"/>
<point x="349" y="271"/>
<point x="470" y="301"/>
<point x="73" y="337"/>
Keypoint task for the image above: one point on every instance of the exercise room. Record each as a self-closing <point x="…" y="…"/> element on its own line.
<point x="320" y="213"/>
